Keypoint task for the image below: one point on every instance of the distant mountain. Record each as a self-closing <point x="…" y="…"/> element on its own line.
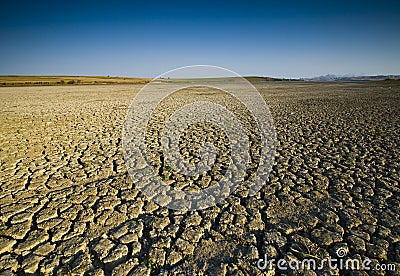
<point x="331" y="77"/>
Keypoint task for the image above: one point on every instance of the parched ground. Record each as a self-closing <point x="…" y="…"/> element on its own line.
<point x="68" y="206"/>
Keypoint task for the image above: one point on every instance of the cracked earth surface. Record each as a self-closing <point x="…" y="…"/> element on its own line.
<point x="68" y="206"/>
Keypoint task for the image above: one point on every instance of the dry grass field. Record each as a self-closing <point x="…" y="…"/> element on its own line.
<point x="13" y="81"/>
<point x="68" y="206"/>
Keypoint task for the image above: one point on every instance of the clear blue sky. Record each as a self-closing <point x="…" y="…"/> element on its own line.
<point x="147" y="38"/>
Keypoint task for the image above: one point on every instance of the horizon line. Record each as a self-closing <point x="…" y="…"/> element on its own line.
<point x="243" y="76"/>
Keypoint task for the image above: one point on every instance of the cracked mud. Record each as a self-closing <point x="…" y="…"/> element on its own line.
<point x="68" y="206"/>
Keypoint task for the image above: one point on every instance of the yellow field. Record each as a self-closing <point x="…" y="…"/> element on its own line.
<point x="66" y="80"/>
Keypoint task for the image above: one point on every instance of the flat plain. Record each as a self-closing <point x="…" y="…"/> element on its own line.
<point x="16" y="81"/>
<point x="68" y="206"/>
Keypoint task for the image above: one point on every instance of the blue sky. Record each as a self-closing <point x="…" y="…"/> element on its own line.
<point x="145" y="39"/>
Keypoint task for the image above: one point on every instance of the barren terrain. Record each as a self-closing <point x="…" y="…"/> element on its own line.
<point x="67" y="204"/>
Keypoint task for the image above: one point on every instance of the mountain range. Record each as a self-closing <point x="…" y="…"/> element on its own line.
<point x="331" y="77"/>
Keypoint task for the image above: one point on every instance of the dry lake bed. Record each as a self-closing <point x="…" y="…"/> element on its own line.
<point x="69" y="207"/>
